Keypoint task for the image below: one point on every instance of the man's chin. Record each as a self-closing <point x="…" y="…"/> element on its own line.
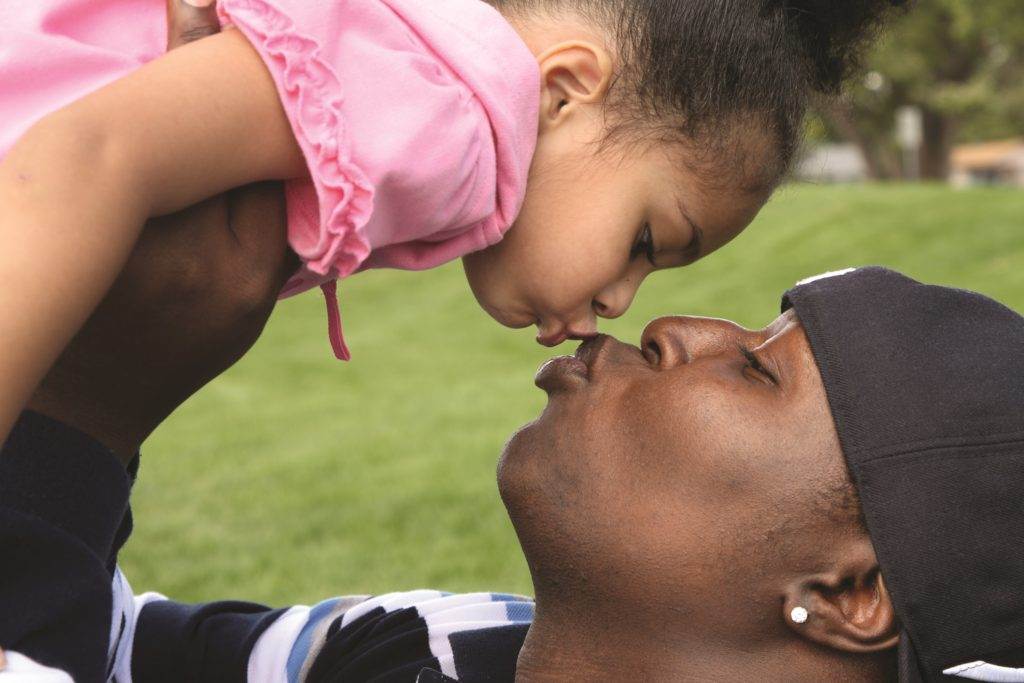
<point x="521" y="467"/>
<point x="534" y="438"/>
<point x="517" y="448"/>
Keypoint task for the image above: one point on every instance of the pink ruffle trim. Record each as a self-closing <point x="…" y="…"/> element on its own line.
<point x="311" y="94"/>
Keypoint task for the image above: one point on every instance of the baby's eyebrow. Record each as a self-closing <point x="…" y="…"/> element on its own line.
<point x="695" y="248"/>
<point x="684" y="256"/>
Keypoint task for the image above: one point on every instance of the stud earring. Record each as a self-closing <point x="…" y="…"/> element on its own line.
<point x="798" y="615"/>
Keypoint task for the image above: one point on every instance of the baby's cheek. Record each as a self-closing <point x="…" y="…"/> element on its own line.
<point x="592" y="268"/>
<point x="560" y="283"/>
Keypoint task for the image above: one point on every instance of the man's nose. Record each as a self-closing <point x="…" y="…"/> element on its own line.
<point x="674" y="340"/>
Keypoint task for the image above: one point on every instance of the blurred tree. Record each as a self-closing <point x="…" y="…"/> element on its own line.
<point x="960" y="61"/>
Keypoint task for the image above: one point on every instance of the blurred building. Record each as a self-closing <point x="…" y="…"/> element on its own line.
<point x="988" y="163"/>
<point x="832" y="163"/>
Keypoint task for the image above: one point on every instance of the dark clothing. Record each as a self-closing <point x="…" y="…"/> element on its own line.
<point x="64" y="515"/>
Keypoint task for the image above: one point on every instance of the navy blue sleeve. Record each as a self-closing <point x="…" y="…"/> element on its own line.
<point x="211" y="642"/>
<point x="63" y="506"/>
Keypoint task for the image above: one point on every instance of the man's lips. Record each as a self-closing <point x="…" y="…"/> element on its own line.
<point x="589" y="350"/>
<point x="561" y="373"/>
<point x="567" y="372"/>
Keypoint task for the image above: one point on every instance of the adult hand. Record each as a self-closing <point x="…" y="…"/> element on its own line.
<point x="190" y="21"/>
<point x="193" y="298"/>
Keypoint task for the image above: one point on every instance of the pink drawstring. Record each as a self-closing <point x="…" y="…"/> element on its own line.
<point x="330" y="290"/>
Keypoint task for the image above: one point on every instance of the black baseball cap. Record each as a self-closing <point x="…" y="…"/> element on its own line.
<point x="926" y="388"/>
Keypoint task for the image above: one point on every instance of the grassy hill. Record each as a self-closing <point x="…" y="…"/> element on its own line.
<point x="294" y="477"/>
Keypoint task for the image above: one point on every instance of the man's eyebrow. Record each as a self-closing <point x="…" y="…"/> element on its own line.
<point x="772" y="332"/>
<point x="781" y="322"/>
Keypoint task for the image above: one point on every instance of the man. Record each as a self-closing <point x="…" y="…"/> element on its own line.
<point x="688" y="513"/>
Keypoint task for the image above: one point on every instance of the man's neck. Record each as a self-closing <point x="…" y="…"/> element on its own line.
<point x="556" y="650"/>
<point x="560" y="652"/>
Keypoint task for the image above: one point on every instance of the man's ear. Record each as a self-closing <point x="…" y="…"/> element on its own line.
<point x="573" y="73"/>
<point x="847" y="608"/>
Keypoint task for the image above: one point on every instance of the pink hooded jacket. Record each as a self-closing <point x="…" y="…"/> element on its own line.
<point x="418" y="119"/>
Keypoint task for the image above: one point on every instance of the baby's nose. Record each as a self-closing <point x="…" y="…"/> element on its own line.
<point x="603" y="310"/>
<point x="615" y="300"/>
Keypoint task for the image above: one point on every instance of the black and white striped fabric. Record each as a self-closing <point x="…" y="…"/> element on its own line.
<point x="395" y="637"/>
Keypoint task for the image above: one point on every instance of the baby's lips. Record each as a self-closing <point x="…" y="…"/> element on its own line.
<point x="556" y="338"/>
<point x="552" y="339"/>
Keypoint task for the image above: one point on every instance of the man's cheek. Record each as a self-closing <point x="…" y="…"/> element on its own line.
<point x="692" y="443"/>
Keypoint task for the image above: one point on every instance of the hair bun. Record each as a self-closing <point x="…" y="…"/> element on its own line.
<point x="832" y="33"/>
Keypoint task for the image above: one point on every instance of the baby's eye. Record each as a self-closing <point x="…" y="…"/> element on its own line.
<point x="644" y="245"/>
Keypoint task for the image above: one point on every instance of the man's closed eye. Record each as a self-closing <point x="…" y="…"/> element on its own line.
<point x="754" y="364"/>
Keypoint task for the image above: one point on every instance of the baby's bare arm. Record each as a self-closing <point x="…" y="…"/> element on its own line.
<point x="76" y="189"/>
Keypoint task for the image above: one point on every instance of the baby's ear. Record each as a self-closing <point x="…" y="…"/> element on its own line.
<point x="847" y="608"/>
<point x="572" y="73"/>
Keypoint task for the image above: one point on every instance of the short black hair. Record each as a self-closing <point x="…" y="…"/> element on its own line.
<point x="840" y="502"/>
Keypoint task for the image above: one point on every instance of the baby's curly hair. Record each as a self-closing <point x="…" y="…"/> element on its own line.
<point x="697" y="68"/>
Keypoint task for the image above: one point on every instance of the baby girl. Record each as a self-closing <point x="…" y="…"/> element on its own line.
<point x="564" y="149"/>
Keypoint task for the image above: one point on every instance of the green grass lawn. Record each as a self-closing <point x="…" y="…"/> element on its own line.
<point x="294" y="477"/>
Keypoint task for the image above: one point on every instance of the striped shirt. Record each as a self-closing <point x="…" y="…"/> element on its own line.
<point x="418" y="635"/>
